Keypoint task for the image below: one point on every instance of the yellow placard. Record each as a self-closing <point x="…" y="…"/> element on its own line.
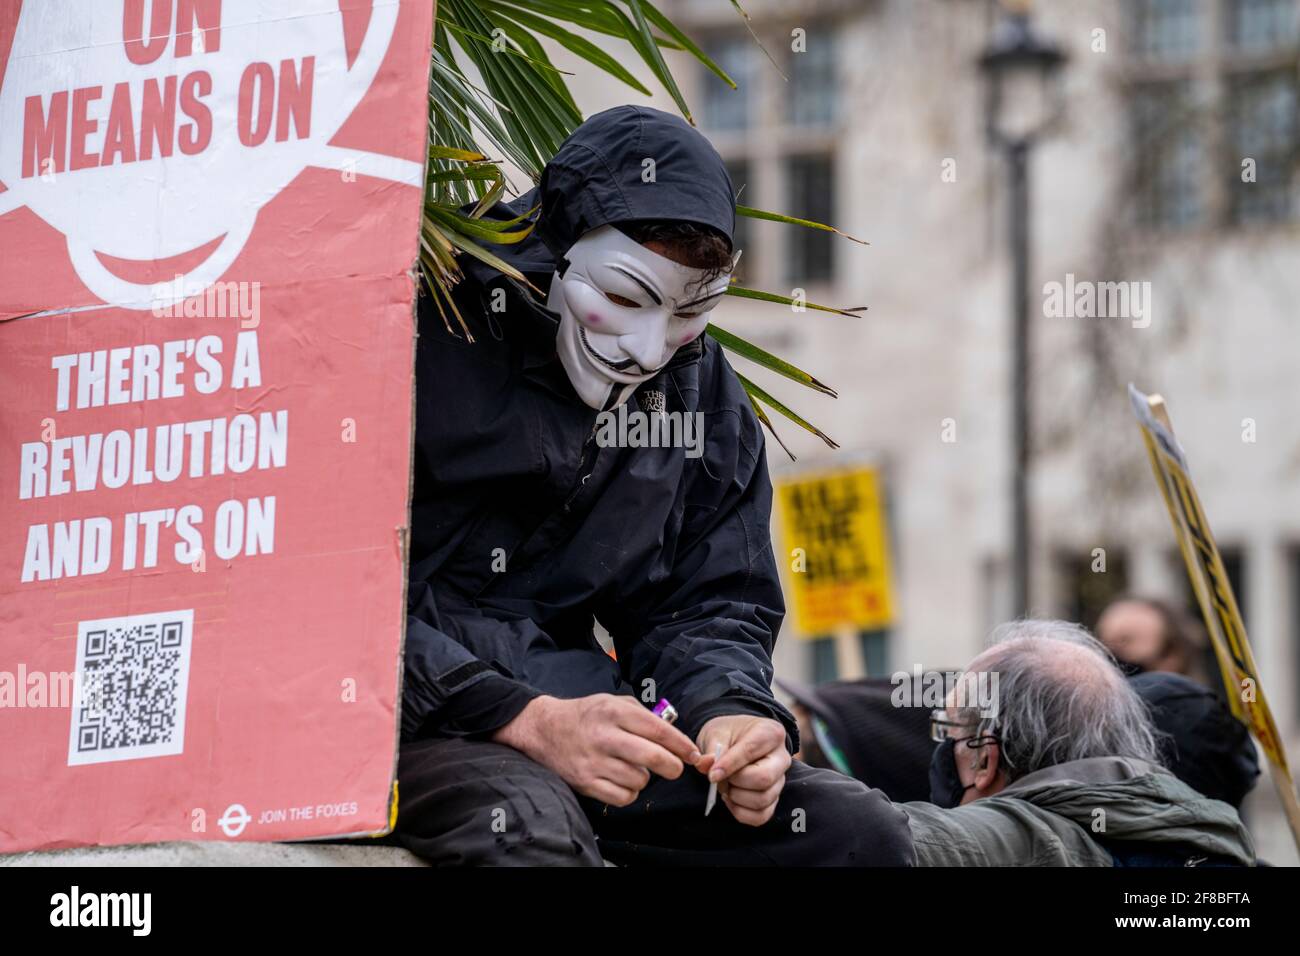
<point x="1214" y="593"/>
<point x="837" y="551"/>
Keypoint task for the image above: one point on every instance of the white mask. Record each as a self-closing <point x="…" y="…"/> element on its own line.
<point x="658" y="306"/>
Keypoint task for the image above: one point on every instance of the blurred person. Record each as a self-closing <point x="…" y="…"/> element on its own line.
<point x="1060" y="768"/>
<point x="854" y="727"/>
<point x="526" y="528"/>
<point x="1202" y="744"/>
<point x="1147" y="634"/>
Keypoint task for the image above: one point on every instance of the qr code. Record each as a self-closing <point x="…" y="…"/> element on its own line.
<point x="129" y="695"/>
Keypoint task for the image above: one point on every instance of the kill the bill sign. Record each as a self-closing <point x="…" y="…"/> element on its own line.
<point x="209" y="215"/>
<point x="834" y="527"/>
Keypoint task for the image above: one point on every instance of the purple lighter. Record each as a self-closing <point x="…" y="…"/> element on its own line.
<point x="665" y="711"/>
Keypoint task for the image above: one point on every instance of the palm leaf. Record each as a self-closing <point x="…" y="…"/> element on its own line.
<point x="757" y="355"/>
<point x="686" y="43"/>
<point x="599" y="16"/>
<point x="643" y="40"/>
<point x="761" y="414"/>
<point x="571" y="42"/>
<point x="447" y="152"/>
<point x="482" y="229"/>
<point x="755" y="392"/>
<point x="753" y="213"/>
<point x="744" y="293"/>
<point x="460" y="241"/>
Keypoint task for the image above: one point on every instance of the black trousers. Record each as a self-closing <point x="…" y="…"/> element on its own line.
<point x="476" y="803"/>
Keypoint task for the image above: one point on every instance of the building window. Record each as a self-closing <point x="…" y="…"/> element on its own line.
<point x="1084" y="592"/>
<point x="1171" y="160"/>
<point x="814" y="86"/>
<point x="810" y="186"/>
<point x="778" y="136"/>
<point x="723" y="107"/>
<point x="1213" y="88"/>
<point x="1259" y="25"/>
<point x="1166" y="29"/>
<point x="1262" y="128"/>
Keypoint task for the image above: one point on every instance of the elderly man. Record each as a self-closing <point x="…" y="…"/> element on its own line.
<point x="1059" y="767"/>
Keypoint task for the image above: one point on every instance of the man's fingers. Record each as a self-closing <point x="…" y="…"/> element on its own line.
<point x="756" y="799"/>
<point x="764" y="772"/>
<point x="608" y="792"/>
<point x="753" y="818"/>
<point x="711" y="737"/>
<point x="637" y="720"/>
<point x="644" y="753"/>
<point x="631" y="776"/>
<point x="757" y="741"/>
<point x="705" y="763"/>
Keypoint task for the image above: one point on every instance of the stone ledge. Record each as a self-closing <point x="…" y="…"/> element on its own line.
<point x="219" y="854"/>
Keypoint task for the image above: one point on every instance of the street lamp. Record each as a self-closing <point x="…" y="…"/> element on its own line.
<point x="1022" y="101"/>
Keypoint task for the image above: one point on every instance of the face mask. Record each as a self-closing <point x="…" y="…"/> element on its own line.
<point x="624" y="312"/>
<point x="946" y="789"/>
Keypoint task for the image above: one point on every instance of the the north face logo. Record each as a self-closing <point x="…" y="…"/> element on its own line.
<point x="652" y="401"/>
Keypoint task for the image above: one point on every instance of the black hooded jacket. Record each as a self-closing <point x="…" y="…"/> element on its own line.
<point x="525" y="530"/>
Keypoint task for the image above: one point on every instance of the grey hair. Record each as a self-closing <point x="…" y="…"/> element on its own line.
<point x="1051" y="710"/>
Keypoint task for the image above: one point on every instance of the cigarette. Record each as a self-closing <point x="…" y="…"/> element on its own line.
<point x="713" y="787"/>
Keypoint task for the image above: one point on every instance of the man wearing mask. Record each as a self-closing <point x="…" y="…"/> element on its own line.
<point x="522" y="740"/>
<point x="1048" y="757"/>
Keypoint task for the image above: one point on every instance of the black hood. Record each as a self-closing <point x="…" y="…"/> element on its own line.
<point x="1208" y="749"/>
<point x="600" y="177"/>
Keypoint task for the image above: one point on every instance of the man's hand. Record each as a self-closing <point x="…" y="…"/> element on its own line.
<point x="603" y="746"/>
<point x="751" y="771"/>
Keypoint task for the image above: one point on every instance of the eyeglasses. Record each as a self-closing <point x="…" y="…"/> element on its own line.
<point x="943" y="727"/>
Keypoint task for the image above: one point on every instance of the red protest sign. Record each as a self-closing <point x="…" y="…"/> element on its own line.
<point x="209" y="217"/>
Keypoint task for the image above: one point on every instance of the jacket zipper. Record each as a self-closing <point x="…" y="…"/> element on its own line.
<point x="582" y="462"/>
